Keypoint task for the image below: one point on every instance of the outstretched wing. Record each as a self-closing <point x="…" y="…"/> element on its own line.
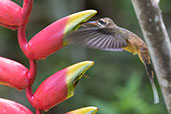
<point x="98" y="38"/>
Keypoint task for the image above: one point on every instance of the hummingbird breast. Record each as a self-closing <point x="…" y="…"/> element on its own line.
<point x="134" y="43"/>
<point x="137" y="46"/>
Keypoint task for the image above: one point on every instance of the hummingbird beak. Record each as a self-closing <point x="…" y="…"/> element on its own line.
<point x="90" y="23"/>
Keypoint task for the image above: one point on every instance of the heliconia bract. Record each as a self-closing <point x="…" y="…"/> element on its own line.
<point x="59" y="87"/>
<point x="11" y="107"/>
<point x="10" y="14"/>
<point x="13" y="74"/>
<point x="50" y="39"/>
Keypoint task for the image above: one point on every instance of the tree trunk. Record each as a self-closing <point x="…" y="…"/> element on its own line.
<point x="155" y="34"/>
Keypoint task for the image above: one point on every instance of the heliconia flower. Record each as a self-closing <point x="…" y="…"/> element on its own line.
<point x="13" y="74"/>
<point x="85" y="110"/>
<point x="10" y="14"/>
<point x="11" y="107"/>
<point x="59" y="87"/>
<point x="50" y="39"/>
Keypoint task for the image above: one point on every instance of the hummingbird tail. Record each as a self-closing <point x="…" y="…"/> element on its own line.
<point x="144" y="55"/>
<point x="155" y="93"/>
<point x="151" y="77"/>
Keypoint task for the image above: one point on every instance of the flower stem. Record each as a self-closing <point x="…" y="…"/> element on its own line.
<point x="32" y="71"/>
<point x="26" y="10"/>
<point x="29" y="94"/>
<point x="30" y="98"/>
<point x="25" y="13"/>
<point x="38" y="111"/>
<point x="22" y="39"/>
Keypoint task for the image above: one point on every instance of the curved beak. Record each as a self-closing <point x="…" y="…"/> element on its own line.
<point x="89" y="24"/>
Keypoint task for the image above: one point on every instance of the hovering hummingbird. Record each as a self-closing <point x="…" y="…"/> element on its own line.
<point x="104" y="34"/>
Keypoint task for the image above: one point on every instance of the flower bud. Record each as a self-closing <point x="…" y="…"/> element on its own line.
<point x="11" y="107"/>
<point x="13" y="74"/>
<point x="10" y="14"/>
<point x="50" y="39"/>
<point x="85" y="110"/>
<point x="59" y="87"/>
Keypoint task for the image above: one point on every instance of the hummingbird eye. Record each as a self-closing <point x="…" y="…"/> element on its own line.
<point x="102" y="22"/>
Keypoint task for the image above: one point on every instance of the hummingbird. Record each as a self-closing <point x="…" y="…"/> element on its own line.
<point x="104" y="34"/>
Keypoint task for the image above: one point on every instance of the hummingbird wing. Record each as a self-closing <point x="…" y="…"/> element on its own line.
<point x="98" y="38"/>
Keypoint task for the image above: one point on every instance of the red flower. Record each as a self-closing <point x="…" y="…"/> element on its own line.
<point x="13" y="74"/>
<point x="59" y="87"/>
<point x="10" y="14"/>
<point x="50" y="39"/>
<point x="11" y="107"/>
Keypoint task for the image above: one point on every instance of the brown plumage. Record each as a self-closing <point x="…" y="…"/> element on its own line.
<point x="104" y="34"/>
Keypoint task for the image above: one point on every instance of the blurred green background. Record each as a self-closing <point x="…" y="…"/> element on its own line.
<point x="118" y="83"/>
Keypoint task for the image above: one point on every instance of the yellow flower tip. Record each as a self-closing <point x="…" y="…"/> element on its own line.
<point x="82" y="16"/>
<point x="85" y="110"/>
<point x="78" y="69"/>
<point x="75" y="19"/>
<point x="74" y="74"/>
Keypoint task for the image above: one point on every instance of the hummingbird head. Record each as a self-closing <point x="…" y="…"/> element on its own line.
<point x="102" y="23"/>
<point x="105" y="23"/>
